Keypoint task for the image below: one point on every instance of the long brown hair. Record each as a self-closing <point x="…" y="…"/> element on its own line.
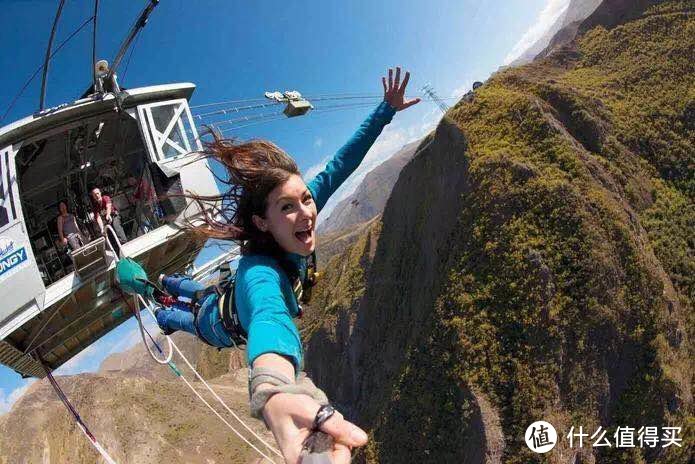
<point x="254" y="169"/>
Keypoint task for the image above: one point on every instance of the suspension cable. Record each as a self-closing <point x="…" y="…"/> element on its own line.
<point x="236" y="109"/>
<point x="276" y="118"/>
<point x="248" y="100"/>
<point x="38" y="70"/>
<point x="140" y="22"/>
<point x="269" y="117"/>
<point x="94" y="43"/>
<point x="130" y="55"/>
<point x="47" y="60"/>
<point x="256" y="117"/>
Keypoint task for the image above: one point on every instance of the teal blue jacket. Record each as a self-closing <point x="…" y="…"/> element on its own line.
<point x="263" y="293"/>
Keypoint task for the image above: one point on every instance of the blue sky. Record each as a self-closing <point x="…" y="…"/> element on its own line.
<point x="234" y="50"/>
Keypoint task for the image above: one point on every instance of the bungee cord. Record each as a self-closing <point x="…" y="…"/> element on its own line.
<point x="76" y="416"/>
<point x="179" y="374"/>
<point x="168" y="361"/>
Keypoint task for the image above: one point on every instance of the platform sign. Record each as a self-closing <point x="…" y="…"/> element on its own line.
<point x="12" y="257"/>
<point x="21" y="287"/>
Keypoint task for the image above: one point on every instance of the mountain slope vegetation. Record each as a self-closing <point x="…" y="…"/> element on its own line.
<point x="544" y="266"/>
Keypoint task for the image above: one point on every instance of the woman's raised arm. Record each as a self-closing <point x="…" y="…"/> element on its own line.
<point x="352" y="153"/>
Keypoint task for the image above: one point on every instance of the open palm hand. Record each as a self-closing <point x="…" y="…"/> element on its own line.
<point x="394" y="90"/>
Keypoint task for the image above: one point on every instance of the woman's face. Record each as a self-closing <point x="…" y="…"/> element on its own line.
<point x="62" y="208"/>
<point x="290" y="217"/>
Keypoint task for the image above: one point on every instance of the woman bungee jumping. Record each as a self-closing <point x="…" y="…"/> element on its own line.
<point x="271" y="212"/>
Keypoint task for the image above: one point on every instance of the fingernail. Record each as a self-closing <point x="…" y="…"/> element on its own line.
<point x="358" y="435"/>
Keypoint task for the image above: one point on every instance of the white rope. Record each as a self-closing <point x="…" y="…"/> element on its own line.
<point x="164" y="361"/>
<point x="97" y="446"/>
<point x="168" y="359"/>
<point x="227" y="423"/>
<point x="217" y="397"/>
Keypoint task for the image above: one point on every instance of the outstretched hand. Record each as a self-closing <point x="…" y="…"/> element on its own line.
<point x="394" y="90"/>
<point x="290" y="418"/>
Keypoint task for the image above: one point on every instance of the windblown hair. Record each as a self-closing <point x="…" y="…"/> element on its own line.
<point x="254" y="169"/>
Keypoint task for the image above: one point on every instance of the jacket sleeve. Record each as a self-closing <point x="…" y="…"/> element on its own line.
<point x="350" y="155"/>
<point x="270" y="329"/>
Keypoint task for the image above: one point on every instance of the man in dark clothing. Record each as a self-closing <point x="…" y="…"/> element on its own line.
<point x="106" y="213"/>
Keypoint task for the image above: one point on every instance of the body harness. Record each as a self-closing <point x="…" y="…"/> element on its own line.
<point x="226" y="306"/>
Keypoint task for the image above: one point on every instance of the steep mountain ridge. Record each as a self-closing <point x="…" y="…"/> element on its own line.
<point x="548" y="272"/>
<point x="369" y="198"/>
<point x="577" y="11"/>
<point x="606" y="13"/>
<point x="137" y="409"/>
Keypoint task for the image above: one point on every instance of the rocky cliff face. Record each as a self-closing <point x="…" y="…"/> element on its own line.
<point x="546" y="270"/>
<point x="139" y="411"/>
<point x="369" y="198"/>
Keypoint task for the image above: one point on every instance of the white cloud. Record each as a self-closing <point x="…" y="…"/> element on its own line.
<point x="7" y="401"/>
<point x="316" y="168"/>
<point x="547" y="17"/>
<point x="318" y="142"/>
<point x="462" y="89"/>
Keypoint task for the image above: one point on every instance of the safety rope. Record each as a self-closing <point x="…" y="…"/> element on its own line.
<point x="210" y="389"/>
<point x="143" y="331"/>
<point x="76" y="416"/>
<point x="177" y="372"/>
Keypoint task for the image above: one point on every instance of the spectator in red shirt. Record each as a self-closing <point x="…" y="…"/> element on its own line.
<point x="106" y="213"/>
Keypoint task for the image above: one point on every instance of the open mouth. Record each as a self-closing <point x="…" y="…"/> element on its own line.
<point x="304" y="236"/>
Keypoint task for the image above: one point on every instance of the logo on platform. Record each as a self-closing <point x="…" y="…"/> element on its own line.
<point x="11" y="255"/>
<point x="541" y="437"/>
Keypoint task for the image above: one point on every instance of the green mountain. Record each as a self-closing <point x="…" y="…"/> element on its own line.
<point x="535" y="262"/>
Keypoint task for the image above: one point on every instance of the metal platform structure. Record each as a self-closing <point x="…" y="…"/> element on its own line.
<point x="48" y="308"/>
